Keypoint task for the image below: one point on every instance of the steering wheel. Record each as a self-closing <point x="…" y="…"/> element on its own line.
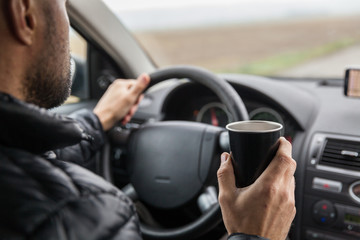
<point x="172" y="162"/>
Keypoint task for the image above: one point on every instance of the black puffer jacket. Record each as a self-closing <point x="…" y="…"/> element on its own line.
<point x="42" y="197"/>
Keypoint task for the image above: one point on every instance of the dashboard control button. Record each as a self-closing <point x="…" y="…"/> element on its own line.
<point x="324" y="212"/>
<point x="311" y="235"/>
<point x="354" y="191"/>
<point x="326" y="185"/>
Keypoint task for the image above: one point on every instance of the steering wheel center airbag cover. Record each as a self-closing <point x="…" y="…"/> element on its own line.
<point x="166" y="164"/>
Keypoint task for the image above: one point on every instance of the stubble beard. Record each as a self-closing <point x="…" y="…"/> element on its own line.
<point x="48" y="82"/>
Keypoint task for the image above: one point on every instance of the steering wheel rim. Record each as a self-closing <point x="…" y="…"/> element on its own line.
<point x="230" y="98"/>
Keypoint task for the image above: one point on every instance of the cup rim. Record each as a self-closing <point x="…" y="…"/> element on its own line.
<point x="279" y="126"/>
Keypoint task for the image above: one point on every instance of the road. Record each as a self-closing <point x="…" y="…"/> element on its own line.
<point x="326" y="66"/>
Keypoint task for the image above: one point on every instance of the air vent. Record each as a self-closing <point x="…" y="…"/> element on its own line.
<point x="341" y="153"/>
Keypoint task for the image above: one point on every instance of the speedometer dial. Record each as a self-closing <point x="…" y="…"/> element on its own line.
<point x="215" y="114"/>
<point x="266" y="114"/>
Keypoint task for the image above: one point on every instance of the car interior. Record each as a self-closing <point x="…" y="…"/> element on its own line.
<point x="166" y="158"/>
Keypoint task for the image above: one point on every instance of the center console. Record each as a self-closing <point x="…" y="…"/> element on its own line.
<point x="332" y="188"/>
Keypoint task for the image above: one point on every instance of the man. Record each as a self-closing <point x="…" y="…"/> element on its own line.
<point x="43" y="196"/>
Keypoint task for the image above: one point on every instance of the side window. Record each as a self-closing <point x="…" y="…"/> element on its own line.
<point x="80" y="86"/>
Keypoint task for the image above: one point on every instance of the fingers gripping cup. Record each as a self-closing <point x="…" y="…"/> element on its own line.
<point x="253" y="145"/>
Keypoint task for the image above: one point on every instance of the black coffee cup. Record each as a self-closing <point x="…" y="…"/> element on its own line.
<point x="253" y="145"/>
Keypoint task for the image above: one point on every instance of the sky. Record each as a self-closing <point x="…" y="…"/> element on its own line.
<point x="162" y="14"/>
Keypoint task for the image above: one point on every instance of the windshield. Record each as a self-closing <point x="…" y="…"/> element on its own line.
<point x="283" y="38"/>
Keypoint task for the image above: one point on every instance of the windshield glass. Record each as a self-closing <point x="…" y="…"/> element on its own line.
<point x="284" y="38"/>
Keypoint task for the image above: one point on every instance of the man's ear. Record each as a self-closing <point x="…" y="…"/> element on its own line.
<point x="23" y="18"/>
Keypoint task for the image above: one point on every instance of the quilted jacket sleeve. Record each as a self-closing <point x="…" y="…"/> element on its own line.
<point x="83" y="152"/>
<point x="241" y="236"/>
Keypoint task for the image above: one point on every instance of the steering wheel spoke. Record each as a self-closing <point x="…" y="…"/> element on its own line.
<point x="207" y="199"/>
<point x="130" y="191"/>
<point x="224" y="141"/>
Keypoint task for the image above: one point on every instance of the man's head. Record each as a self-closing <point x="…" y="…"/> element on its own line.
<point x="34" y="51"/>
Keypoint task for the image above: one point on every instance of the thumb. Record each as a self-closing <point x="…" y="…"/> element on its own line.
<point x="142" y="82"/>
<point x="225" y="174"/>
